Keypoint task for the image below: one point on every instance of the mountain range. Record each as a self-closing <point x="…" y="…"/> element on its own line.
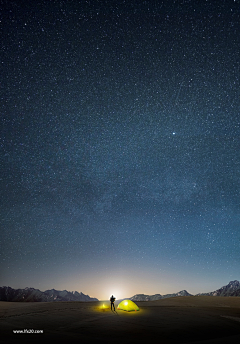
<point x="35" y="295"/>
<point x="143" y="297"/>
<point x="231" y="289"/>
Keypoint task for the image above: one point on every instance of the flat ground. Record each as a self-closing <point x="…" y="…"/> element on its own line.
<point x="189" y="319"/>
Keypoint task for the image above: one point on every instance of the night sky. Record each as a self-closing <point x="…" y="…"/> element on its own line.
<point x="120" y="146"/>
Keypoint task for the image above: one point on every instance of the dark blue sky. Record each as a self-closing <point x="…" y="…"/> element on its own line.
<point x="120" y="149"/>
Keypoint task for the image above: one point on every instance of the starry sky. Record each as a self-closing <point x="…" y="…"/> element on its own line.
<point x="120" y="147"/>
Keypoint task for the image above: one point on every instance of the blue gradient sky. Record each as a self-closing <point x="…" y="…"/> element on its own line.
<point x="120" y="146"/>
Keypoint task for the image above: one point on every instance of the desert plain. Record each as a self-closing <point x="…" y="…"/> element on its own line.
<point x="188" y="319"/>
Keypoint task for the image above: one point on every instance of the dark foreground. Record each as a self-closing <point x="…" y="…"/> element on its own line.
<point x="193" y="319"/>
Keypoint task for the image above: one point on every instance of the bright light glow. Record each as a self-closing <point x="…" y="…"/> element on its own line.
<point x="126" y="303"/>
<point x="103" y="307"/>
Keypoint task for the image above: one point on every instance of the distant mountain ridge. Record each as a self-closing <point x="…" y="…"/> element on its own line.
<point x="143" y="297"/>
<point x="231" y="289"/>
<point x="35" y="295"/>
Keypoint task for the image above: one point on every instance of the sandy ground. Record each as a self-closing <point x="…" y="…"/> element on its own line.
<point x="192" y="319"/>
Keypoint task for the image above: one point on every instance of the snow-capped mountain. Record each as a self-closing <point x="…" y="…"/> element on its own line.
<point x="143" y="297"/>
<point x="33" y="295"/>
<point x="231" y="289"/>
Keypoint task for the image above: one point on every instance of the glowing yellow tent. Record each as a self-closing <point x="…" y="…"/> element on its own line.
<point x="128" y="305"/>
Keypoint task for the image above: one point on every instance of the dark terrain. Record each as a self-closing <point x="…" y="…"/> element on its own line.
<point x="188" y="319"/>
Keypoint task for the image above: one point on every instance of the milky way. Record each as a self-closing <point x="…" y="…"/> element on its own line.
<point x="120" y="149"/>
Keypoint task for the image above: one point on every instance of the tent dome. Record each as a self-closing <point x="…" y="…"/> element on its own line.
<point x="128" y="305"/>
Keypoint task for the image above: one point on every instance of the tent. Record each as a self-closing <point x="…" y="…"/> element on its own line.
<point x="128" y="305"/>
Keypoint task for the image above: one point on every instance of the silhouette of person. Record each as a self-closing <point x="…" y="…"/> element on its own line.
<point x="112" y="299"/>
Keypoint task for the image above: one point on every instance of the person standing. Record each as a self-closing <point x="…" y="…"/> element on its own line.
<point x="112" y="299"/>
